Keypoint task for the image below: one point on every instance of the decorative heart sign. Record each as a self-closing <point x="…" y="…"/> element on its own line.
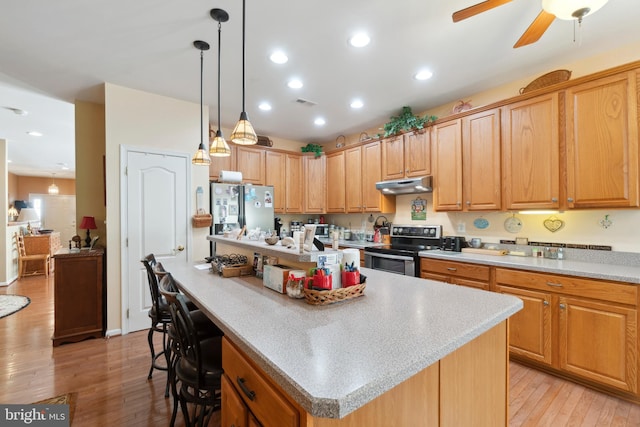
<point x="553" y="224"/>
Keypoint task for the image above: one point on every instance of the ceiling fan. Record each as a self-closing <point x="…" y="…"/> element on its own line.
<point x="551" y="9"/>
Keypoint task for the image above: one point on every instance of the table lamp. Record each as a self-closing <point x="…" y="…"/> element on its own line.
<point x="12" y="214"/>
<point x="88" y="223"/>
<point x="27" y="215"/>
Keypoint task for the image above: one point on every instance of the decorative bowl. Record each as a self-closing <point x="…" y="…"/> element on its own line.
<point x="271" y="240"/>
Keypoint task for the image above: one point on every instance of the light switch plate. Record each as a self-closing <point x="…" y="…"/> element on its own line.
<point x="522" y="241"/>
<point x="462" y="227"/>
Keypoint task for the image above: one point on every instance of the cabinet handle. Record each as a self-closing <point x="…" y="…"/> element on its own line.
<point x="570" y="200"/>
<point x="554" y="199"/>
<point x="545" y="302"/>
<point x="562" y="306"/>
<point x="452" y="269"/>
<point x="468" y="203"/>
<point x="555" y="285"/>
<point x="249" y="393"/>
<point x="458" y="203"/>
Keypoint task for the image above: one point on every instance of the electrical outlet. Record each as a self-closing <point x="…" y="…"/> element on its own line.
<point x="462" y="227"/>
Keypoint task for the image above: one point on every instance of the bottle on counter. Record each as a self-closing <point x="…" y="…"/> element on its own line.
<point x="560" y="253"/>
<point x="334" y="236"/>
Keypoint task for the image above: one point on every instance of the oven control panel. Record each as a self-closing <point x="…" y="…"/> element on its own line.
<point x="421" y="231"/>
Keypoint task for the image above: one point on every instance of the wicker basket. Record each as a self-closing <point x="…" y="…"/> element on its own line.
<point x="314" y="297"/>
<point x="557" y="76"/>
<point x="202" y="219"/>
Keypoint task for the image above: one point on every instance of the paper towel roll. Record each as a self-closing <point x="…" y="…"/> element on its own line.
<point x="230" y="176"/>
<point x="351" y="256"/>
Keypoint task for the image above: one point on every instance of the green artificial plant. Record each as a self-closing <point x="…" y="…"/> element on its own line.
<point x="406" y="121"/>
<point x="312" y="148"/>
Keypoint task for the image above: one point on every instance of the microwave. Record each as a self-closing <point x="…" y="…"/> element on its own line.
<point x="322" y="230"/>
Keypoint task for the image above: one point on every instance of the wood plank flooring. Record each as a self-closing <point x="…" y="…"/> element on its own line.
<point x="110" y="377"/>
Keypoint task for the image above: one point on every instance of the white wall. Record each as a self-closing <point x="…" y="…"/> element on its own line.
<point x="141" y="119"/>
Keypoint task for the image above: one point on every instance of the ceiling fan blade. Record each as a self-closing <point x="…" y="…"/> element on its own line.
<point x="477" y="8"/>
<point x="536" y="29"/>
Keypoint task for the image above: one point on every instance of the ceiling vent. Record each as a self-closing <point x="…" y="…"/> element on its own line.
<point x="306" y="102"/>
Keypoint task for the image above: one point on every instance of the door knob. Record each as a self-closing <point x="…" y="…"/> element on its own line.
<point x="180" y="248"/>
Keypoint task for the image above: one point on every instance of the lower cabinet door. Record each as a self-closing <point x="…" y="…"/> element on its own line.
<point x="598" y="341"/>
<point x="530" y="329"/>
<point x="234" y="411"/>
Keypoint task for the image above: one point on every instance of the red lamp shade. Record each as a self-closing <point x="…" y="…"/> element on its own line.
<point x="88" y="223"/>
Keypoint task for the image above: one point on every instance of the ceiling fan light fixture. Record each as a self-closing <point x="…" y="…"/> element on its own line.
<point x="572" y="9"/>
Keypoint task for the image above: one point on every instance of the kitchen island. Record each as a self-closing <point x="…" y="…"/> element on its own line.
<point x="410" y="350"/>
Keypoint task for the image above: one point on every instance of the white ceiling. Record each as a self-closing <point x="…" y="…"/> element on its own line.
<point x="52" y="53"/>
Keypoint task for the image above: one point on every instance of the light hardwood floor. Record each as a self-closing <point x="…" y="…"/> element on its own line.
<point x="110" y="377"/>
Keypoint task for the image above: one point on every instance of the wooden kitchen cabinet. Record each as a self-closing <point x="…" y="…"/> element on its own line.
<point x="251" y="162"/>
<point x="447" y="156"/>
<point x="269" y="406"/>
<point x="336" y="183"/>
<point x="407" y="155"/>
<point x="457" y="273"/>
<point x="481" y="157"/>
<point x="79" y="299"/>
<point x="467" y="158"/>
<point x="593" y="326"/>
<point x="294" y="184"/>
<point x="602" y="142"/>
<point x="276" y="175"/>
<point x="315" y="177"/>
<point x="530" y="328"/>
<point x="531" y="153"/>
<point x="222" y="164"/>
<point x="362" y="166"/>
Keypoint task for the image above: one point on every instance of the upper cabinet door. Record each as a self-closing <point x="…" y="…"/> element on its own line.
<point x="530" y="144"/>
<point x="250" y="161"/>
<point x="447" y="154"/>
<point x="353" y="185"/>
<point x="393" y="157"/>
<point x="602" y="142"/>
<point x="417" y="153"/>
<point x="314" y="184"/>
<point x="294" y="180"/>
<point x="276" y="175"/>
<point x="336" y="184"/>
<point x="372" y="199"/>
<point x="481" y="161"/>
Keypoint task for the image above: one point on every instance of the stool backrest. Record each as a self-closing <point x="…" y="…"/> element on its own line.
<point x="20" y="244"/>
<point x="149" y="261"/>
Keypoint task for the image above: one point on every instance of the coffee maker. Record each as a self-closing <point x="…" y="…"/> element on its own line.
<point x="277" y="226"/>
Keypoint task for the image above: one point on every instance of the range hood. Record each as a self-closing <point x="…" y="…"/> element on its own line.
<point x="406" y="186"/>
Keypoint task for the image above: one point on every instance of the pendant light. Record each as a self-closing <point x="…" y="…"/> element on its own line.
<point x="53" y="188"/>
<point x="219" y="147"/>
<point x="243" y="133"/>
<point x="202" y="155"/>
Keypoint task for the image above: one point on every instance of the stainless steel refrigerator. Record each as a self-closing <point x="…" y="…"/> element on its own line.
<point x="250" y="205"/>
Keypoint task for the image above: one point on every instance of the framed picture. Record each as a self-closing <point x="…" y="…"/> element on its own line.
<point x="309" y="234"/>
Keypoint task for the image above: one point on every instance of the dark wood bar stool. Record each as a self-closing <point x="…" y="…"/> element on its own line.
<point x="195" y="365"/>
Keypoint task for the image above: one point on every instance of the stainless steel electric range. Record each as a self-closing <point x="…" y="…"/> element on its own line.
<point x="401" y="256"/>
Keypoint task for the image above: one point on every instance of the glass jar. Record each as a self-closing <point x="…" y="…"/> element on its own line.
<point x="295" y="283"/>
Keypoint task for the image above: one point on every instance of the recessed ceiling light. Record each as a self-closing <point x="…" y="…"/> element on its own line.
<point x="295" y="84"/>
<point x="359" y="40"/>
<point x="356" y="103"/>
<point x="423" y="75"/>
<point x="34" y="133"/>
<point x="265" y="106"/>
<point x="279" y="57"/>
<point x="319" y="121"/>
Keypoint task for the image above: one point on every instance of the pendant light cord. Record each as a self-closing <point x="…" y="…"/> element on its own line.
<point x="201" y="100"/>
<point x="243" y="41"/>
<point x="219" y="44"/>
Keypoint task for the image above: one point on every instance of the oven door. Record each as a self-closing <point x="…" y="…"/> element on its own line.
<point x="399" y="264"/>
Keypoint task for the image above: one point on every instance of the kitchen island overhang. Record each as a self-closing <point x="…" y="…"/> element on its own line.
<point x="332" y="360"/>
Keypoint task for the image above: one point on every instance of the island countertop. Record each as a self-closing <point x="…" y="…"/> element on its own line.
<point x="334" y="359"/>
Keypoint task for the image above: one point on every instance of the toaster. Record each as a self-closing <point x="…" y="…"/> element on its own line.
<point x="453" y="243"/>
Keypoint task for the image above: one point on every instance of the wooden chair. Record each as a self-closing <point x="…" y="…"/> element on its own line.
<point x="23" y="258"/>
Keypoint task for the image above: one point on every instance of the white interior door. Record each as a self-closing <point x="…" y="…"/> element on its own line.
<point x="156" y="219"/>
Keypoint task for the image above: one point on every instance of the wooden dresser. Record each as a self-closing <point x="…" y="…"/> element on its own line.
<point x="42" y="244"/>
<point x="80" y="302"/>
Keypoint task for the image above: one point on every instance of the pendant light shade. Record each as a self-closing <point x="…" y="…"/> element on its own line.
<point x="243" y="133"/>
<point x="219" y="147"/>
<point x="53" y="188"/>
<point x="202" y="155"/>
<point x="572" y="9"/>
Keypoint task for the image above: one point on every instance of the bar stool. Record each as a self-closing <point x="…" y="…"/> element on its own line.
<point x="160" y="317"/>
<point x="196" y="362"/>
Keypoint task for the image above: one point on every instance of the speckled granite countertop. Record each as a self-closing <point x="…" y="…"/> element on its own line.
<point x="617" y="272"/>
<point x="334" y="359"/>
